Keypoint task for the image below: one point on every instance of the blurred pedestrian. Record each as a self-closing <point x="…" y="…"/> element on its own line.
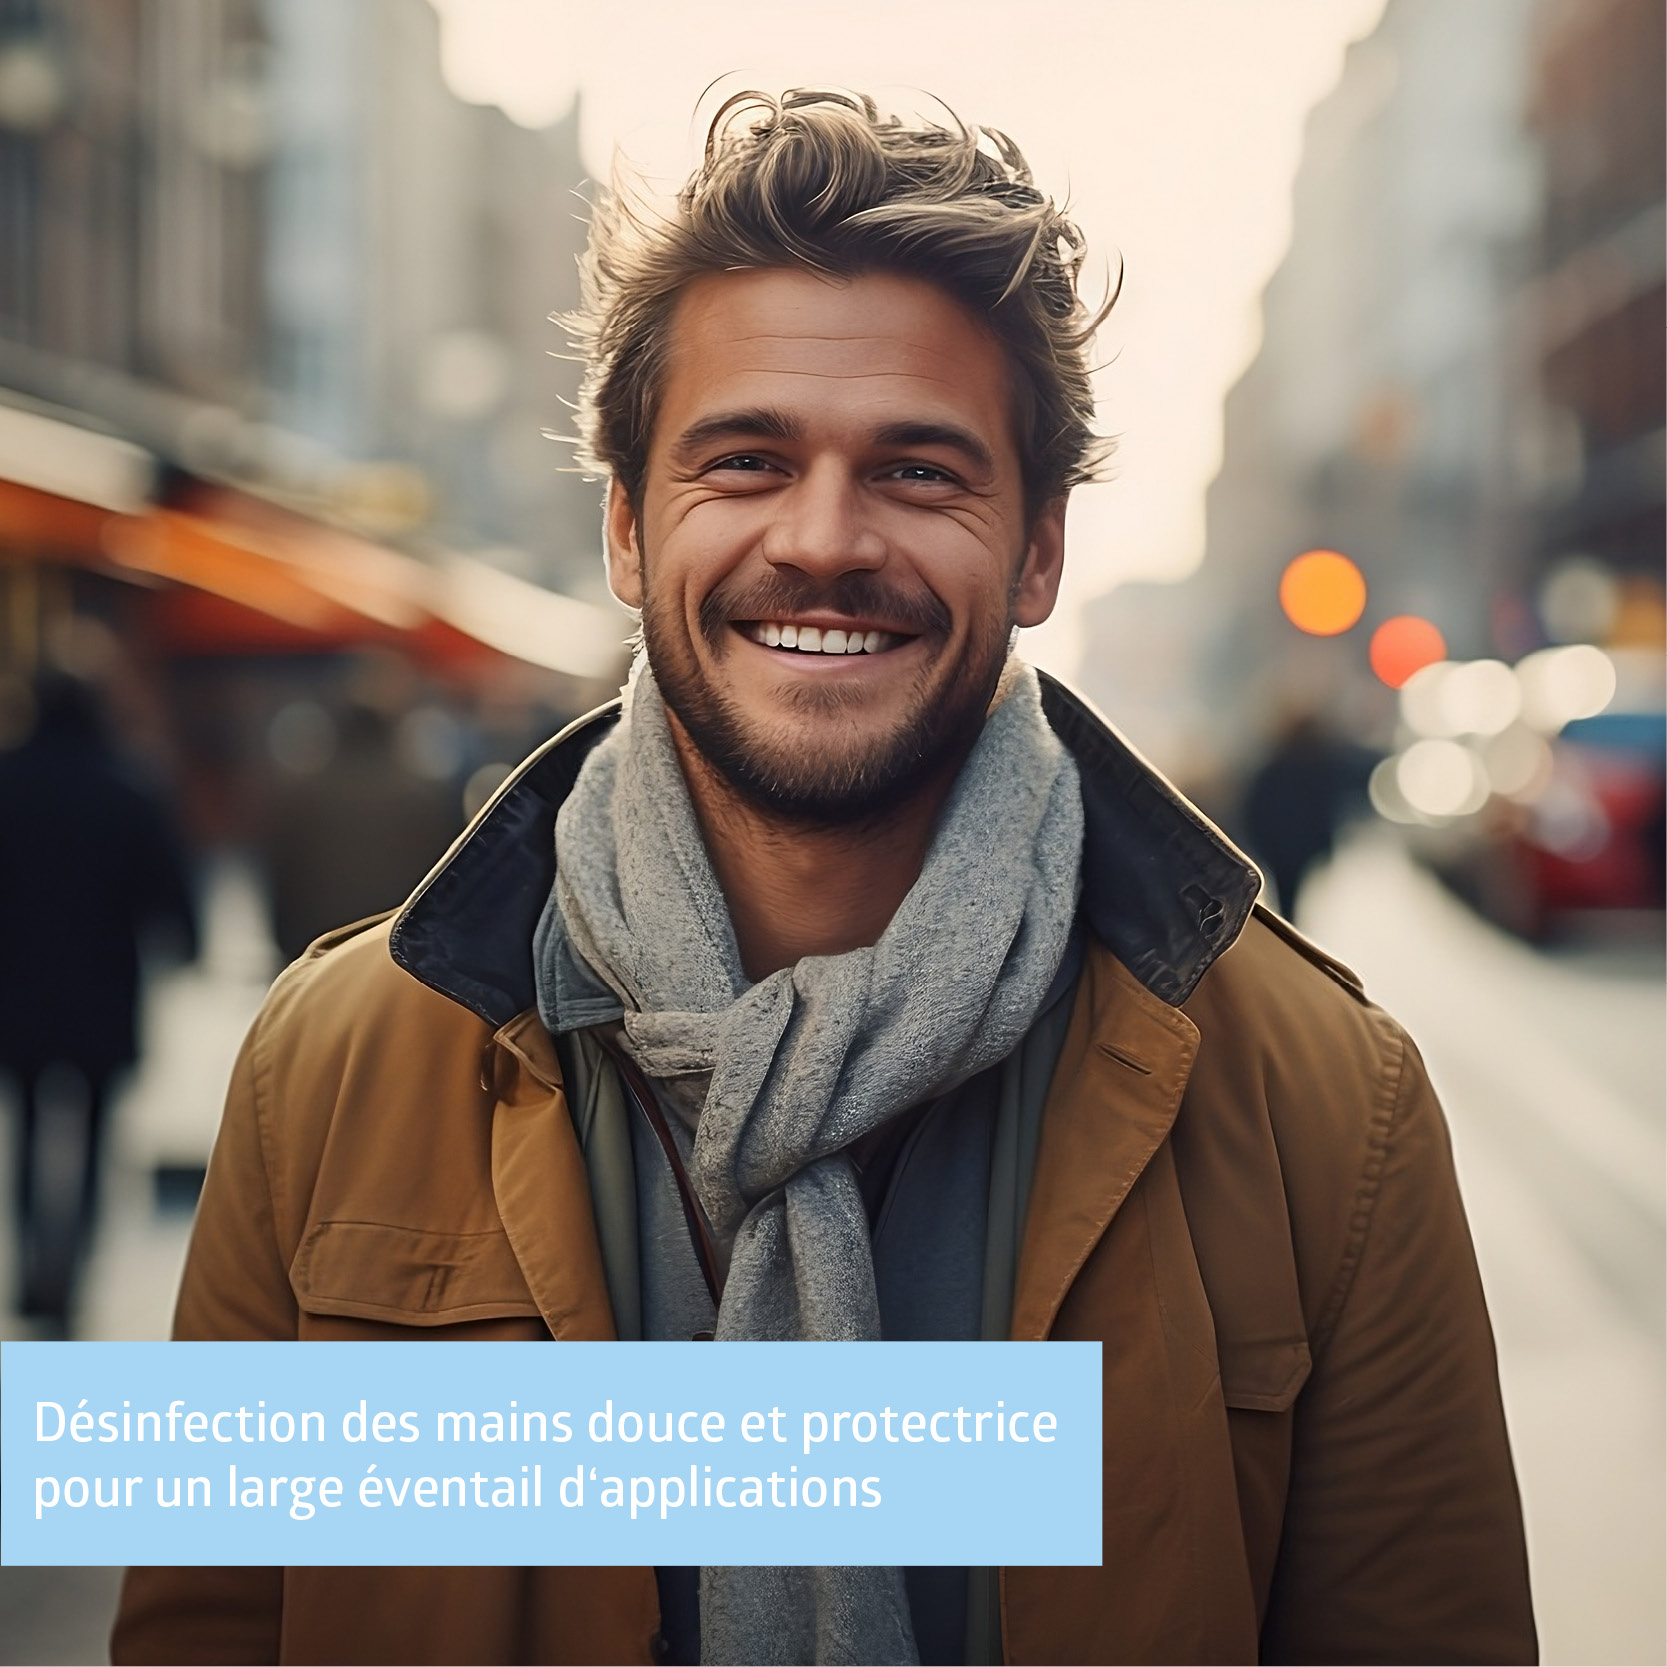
<point x="350" y="837"/>
<point x="88" y="865"/>
<point x="1298" y="799"/>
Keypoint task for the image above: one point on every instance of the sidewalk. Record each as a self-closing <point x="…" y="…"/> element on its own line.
<point x="1551" y="1072"/>
<point x="194" y="1021"/>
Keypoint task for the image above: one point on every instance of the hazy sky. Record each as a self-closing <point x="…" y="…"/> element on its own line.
<point x="1174" y="127"/>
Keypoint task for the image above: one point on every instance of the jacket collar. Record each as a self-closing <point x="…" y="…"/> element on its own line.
<point x="1163" y="888"/>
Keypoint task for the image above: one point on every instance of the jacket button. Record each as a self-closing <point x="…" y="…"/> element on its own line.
<point x="658" y="1649"/>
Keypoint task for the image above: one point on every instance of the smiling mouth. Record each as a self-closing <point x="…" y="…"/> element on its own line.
<point x="809" y="639"/>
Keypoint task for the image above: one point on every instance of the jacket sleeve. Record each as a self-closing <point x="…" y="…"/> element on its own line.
<point x="235" y="1286"/>
<point x="1403" y="1537"/>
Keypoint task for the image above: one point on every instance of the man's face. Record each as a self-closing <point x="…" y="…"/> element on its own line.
<point x="832" y="547"/>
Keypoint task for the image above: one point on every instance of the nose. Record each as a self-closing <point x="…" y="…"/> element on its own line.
<point x="821" y="525"/>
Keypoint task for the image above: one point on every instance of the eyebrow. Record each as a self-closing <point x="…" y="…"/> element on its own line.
<point x="759" y="422"/>
<point x="939" y="434"/>
<point x="767" y="423"/>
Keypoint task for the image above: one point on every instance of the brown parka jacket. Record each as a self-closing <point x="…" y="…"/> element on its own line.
<point x="1243" y="1189"/>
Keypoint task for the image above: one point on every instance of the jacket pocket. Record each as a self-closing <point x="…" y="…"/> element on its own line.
<point x="408" y="1275"/>
<point x="1262" y="1377"/>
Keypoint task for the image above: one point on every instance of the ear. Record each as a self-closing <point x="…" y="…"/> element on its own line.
<point x="624" y="546"/>
<point x="1037" y="588"/>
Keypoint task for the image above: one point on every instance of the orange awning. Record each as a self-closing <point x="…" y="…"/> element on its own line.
<point x="236" y="574"/>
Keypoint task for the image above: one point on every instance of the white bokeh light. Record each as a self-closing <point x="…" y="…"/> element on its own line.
<point x="1441" y="778"/>
<point x="1384" y="790"/>
<point x="1519" y="763"/>
<point x="1461" y="697"/>
<point x="1423" y="710"/>
<point x="1480" y="697"/>
<point x="1560" y="685"/>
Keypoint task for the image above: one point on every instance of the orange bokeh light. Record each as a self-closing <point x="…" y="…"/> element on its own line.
<point x="1404" y="645"/>
<point x="1322" y="593"/>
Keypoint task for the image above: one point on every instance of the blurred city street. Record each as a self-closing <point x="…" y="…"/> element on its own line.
<point x="296" y="562"/>
<point x="1551" y="1072"/>
<point x="1551" y="1069"/>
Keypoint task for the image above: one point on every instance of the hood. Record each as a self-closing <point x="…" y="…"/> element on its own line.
<point x="1162" y="887"/>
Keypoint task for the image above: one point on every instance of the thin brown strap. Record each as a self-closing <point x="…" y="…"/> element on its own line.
<point x="701" y="1235"/>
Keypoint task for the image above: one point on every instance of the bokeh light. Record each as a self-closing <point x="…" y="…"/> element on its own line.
<point x="1569" y="822"/>
<point x="1480" y="697"/>
<point x="1461" y="697"/>
<point x="1441" y="778"/>
<point x="1385" y="793"/>
<point x="1404" y="645"/>
<point x="1560" y="685"/>
<point x="1579" y="601"/>
<point x="1519" y="763"/>
<point x="301" y="737"/>
<point x="1422" y="709"/>
<point x="1322" y="593"/>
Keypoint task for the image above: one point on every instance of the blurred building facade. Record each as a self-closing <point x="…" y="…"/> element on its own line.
<point x="417" y="246"/>
<point x="1459" y="387"/>
<point x="276" y="362"/>
<point x="262" y="239"/>
<point x="1590" y="313"/>
<point x="131" y="198"/>
<point x="1375" y="417"/>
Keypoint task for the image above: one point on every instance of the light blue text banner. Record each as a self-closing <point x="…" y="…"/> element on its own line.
<point x="518" y="1453"/>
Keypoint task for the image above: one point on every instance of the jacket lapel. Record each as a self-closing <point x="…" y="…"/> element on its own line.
<point x="1118" y="1084"/>
<point x="538" y="1177"/>
<point x="1107" y="1256"/>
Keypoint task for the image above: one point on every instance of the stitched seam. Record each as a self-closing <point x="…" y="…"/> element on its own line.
<point x="1119" y="1197"/>
<point x="1166" y="1309"/>
<point x="553" y="1316"/>
<point x="319" y="1227"/>
<point x="1195" y="1571"/>
<point x="260" y="1079"/>
<point x="487" y="1308"/>
<point x="1287" y="934"/>
<point x="1174" y="1087"/>
<point x="1366" y="1194"/>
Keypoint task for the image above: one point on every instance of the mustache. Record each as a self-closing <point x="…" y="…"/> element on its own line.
<point x="854" y="595"/>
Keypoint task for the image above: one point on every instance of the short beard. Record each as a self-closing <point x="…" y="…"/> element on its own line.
<point x="825" y="785"/>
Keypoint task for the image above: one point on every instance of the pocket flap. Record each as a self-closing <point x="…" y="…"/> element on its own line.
<point x="408" y="1275"/>
<point x="1263" y="1377"/>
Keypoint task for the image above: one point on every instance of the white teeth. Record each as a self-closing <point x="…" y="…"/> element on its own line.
<point x="811" y="639"/>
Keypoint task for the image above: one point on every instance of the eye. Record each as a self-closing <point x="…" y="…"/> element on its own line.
<point x="922" y="474"/>
<point x="745" y="462"/>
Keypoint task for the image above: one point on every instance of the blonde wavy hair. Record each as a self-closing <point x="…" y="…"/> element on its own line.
<point x="821" y="180"/>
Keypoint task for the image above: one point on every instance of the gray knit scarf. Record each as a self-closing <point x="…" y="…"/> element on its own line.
<point x="801" y="1064"/>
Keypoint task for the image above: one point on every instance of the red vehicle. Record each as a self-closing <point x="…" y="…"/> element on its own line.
<point x="1595" y="838"/>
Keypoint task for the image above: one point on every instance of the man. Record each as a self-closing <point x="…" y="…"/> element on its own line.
<point x="852" y="982"/>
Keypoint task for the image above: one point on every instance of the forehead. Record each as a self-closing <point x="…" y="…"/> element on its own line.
<point x="880" y="345"/>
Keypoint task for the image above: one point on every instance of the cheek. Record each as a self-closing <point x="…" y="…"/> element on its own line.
<point x="717" y="530"/>
<point x="973" y="580"/>
<point x="696" y="546"/>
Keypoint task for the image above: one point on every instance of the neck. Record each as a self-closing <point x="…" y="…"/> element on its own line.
<point x="795" y="890"/>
